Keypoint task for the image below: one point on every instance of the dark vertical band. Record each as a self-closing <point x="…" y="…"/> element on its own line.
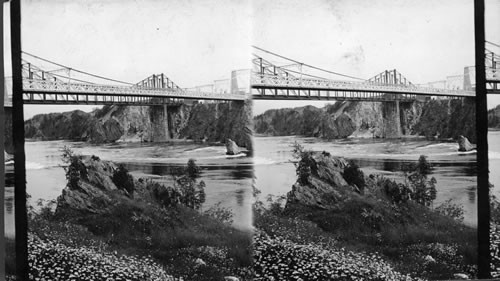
<point x="483" y="201"/>
<point x="18" y="135"/>
<point x="2" y="145"/>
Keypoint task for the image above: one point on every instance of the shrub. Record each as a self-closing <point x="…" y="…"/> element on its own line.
<point x="423" y="190"/>
<point x="354" y="176"/>
<point x="451" y="210"/>
<point x="123" y="180"/>
<point x="193" y="193"/>
<point x="397" y="193"/>
<point x="222" y="214"/>
<point x="192" y="170"/>
<point x="75" y="170"/>
<point x="306" y="164"/>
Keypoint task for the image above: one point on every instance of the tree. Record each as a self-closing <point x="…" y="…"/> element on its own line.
<point x="75" y="169"/>
<point x="423" y="190"/>
<point x="306" y="164"/>
<point x="123" y="180"/>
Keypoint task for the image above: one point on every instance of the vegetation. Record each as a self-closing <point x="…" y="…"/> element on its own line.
<point x="75" y="169"/>
<point x="389" y="232"/>
<point x="123" y="180"/>
<point x="306" y="165"/>
<point x="153" y="236"/>
<point x="354" y="176"/>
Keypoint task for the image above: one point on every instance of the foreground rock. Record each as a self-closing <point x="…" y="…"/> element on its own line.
<point x="326" y="186"/>
<point x="232" y="148"/>
<point x="464" y="144"/>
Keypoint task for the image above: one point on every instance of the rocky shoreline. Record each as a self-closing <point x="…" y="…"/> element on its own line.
<point x="433" y="119"/>
<point x="207" y="122"/>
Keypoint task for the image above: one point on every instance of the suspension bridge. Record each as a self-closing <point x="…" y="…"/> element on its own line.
<point x="60" y="86"/>
<point x="292" y="80"/>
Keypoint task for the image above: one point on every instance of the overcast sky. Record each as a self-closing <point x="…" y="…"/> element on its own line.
<point x="425" y="40"/>
<point x="191" y="42"/>
<point x="196" y="42"/>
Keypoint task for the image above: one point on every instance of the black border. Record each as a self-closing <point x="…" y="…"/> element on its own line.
<point x="18" y="136"/>
<point x="483" y="200"/>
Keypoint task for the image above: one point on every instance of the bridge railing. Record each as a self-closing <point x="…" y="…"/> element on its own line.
<point x="46" y="86"/>
<point x="266" y="80"/>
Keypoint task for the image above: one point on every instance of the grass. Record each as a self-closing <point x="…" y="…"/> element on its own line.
<point x="401" y="235"/>
<point x="173" y="237"/>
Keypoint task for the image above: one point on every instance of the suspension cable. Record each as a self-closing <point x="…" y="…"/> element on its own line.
<point x="76" y="70"/>
<point x="308" y="65"/>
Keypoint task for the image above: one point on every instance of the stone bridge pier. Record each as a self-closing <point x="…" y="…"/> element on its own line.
<point x="392" y="121"/>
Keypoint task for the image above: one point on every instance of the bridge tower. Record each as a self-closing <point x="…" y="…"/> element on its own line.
<point x="391" y="112"/>
<point x="159" y="114"/>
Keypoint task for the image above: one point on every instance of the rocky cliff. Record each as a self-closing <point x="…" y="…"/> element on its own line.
<point x="432" y="118"/>
<point x="200" y="121"/>
<point x="447" y="119"/>
<point x="494" y="118"/>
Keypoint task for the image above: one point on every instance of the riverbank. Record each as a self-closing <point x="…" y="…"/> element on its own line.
<point x="370" y="227"/>
<point x="134" y="229"/>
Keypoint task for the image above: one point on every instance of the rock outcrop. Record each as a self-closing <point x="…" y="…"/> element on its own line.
<point x="464" y="144"/>
<point x="232" y="148"/>
<point x="326" y="187"/>
<point x="92" y="193"/>
<point x="494" y="118"/>
<point x="447" y="119"/>
<point x="213" y="122"/>
<point x="430" y="118"/>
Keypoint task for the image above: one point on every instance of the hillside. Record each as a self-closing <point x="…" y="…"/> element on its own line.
<point x="433" y="119"/>
<point x="213" y="122"/>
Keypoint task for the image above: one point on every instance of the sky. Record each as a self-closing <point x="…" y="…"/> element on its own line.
<point x="196" y="42"/>
<point x="424" y="40"/>
<point x="191" y="42"/>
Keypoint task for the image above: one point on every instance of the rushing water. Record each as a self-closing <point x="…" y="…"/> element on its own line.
<point x="228" y="179"/>
<point x="455" y="172"/>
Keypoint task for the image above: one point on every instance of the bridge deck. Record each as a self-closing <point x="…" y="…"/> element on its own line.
<point x="274" y="82"/>
<point x="41" y="87"/>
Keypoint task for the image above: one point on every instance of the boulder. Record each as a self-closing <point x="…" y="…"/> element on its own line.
<point x="464" y="144"/>
<point x="326" y="187"/>
<point x="7" y="156"/>
<point x="91" y="194"/>
<point x="232" y="148"/>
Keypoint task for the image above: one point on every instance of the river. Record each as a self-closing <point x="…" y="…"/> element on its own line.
<point x="228" y="179"/>
<point x="455" y="172"/>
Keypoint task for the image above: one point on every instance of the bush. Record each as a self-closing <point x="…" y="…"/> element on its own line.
<point x="423" y="190"/>
<point x="192" y="170"/>
<point x="306" y="164"/>
<point x="354" y="176"/>
<point x="221" y="214"/>
<point x="186" y="189"/>
<point x="451" y="210"/>
<point x="397" y="193"/>
<point x="75" y="170"/>
<point x="123" y="180"/>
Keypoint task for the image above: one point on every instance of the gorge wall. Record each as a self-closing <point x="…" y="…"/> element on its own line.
<point x="494" y="118"/>
<point x="431" y="118"/>
<point x="213" y="122"/>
